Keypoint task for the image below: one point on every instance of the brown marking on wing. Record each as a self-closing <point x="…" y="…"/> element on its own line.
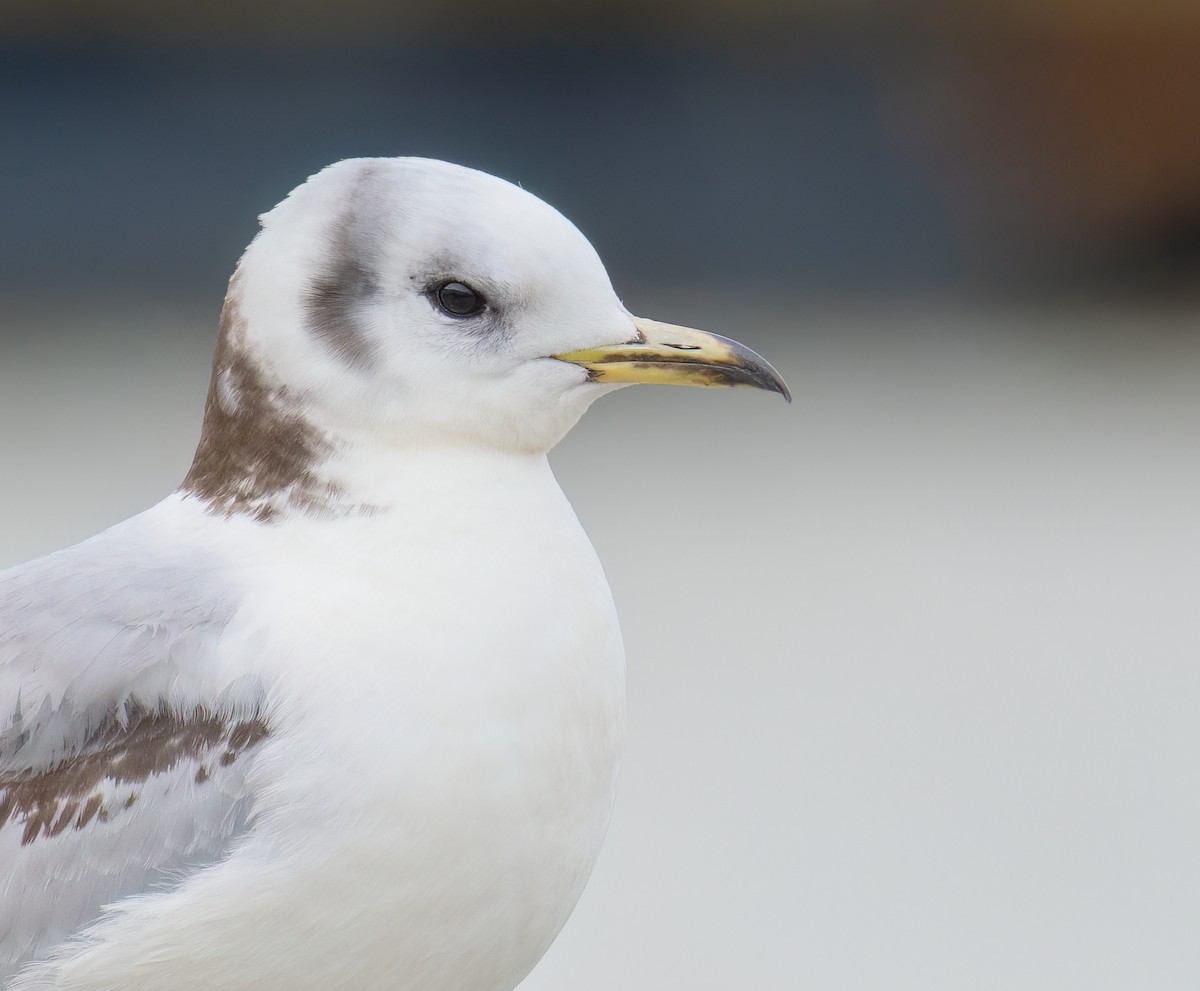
<point x="257" y="453"/>
<point x="89" y="811"/>
<point x="147" y="743"/>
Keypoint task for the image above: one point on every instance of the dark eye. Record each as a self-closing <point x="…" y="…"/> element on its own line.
<point x="458" y="299"/>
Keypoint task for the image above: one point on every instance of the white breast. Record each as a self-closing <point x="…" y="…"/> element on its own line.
<point x="448" y="685"/>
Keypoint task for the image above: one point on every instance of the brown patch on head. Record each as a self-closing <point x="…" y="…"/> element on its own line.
<point x="348" y="280"/>
<point x="120" y="752"/>
<point x="257" y="454"/>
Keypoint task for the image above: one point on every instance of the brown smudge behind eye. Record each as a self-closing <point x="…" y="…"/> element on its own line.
<point x="332" y="307"/>
<point x="151" y="742"/>
<point x="349" y="280"/>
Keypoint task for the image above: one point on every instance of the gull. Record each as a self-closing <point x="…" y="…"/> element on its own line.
<point x="345" y="710"/>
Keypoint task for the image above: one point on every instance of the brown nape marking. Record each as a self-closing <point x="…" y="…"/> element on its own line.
<point x="151" y="742"/>
<point x="257" y="454"/>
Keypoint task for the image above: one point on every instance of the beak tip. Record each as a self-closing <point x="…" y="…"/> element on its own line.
<point x="769" y="379"/>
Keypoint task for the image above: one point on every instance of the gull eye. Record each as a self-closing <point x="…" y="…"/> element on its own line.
<point x="458" y="299"/>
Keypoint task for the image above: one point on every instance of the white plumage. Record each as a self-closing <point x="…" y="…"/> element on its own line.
<point x="345" y="711"/>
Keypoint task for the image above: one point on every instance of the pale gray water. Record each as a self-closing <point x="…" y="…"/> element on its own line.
<point x="914" y="662"/>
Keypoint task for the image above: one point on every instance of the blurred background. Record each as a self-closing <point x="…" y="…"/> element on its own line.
<point x="927" y="716"/>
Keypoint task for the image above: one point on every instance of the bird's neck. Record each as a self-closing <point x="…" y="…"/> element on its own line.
<point x="266" y="451"/>
<point x="260" y="457"/>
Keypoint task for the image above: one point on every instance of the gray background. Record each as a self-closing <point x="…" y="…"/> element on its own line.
<point x="914" y="661"/>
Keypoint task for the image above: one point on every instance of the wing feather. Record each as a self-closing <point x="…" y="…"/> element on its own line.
<point x="123" y="753"/>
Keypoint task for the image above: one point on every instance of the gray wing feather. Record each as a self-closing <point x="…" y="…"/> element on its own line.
<point x="122" y="763"/>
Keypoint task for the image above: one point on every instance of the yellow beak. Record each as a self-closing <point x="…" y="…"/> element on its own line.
<point x="672" y="355"/>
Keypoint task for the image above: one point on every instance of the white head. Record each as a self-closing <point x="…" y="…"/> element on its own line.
<point x="416" y="302"/>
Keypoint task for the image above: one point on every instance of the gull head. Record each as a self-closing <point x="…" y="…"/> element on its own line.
<point x="414" y="302"/>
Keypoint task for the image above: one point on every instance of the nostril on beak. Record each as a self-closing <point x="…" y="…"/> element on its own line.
<point x="685" y="347"/>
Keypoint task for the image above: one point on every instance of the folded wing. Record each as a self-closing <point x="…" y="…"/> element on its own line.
<point x="125" y="744"/>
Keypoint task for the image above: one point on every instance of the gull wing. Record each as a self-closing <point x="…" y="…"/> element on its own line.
<point x="123" y="754"/>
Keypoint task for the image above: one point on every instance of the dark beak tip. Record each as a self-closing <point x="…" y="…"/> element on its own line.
<point x="762" y="373"/>
<point x="780" y="386"/>
<point x="772" y="381"/>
